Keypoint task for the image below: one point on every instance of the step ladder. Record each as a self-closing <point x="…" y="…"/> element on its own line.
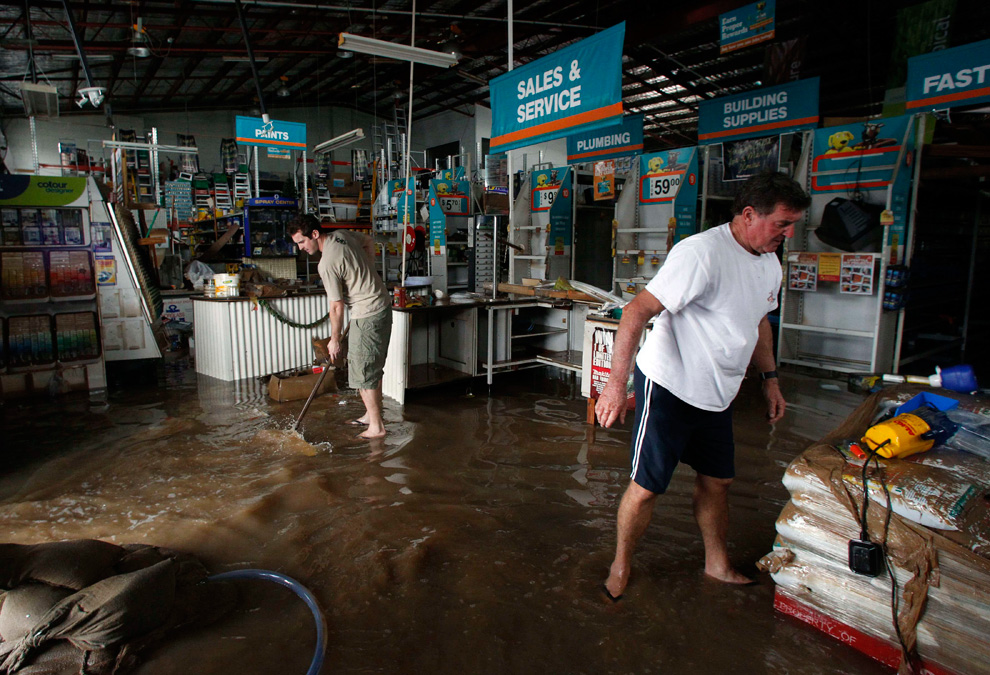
<point x="221" y="196"/>
<point x="242" y="186"/>
<point x="390" y="141"/>
<point x="324" y="205"/>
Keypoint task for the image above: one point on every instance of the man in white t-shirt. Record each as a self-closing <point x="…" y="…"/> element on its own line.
<point x="347" y="268"/>
<point x="712" y="296"/>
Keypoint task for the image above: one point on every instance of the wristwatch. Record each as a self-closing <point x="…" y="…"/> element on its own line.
<point x="769" y="375"/>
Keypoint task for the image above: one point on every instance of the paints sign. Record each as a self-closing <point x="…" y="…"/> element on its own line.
<point x="577" y="88"/>
<point x="275" y="134"/>
<point x="949" y="77"/>
<point x="763" y="112"/>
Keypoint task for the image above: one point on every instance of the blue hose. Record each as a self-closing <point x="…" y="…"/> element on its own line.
<point x="298" y="589"/>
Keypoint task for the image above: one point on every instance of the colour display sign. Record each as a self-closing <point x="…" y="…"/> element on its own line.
<point x="950" y="77"/>
<point x="275" y="134"/>
<point x="575" y="89"/>
<point x="453" y="196"/>
<point x="746" y="26"/>
<point x="40" y="190"/>
<point x="620" y="140"/>
<point x="762" y="112"/>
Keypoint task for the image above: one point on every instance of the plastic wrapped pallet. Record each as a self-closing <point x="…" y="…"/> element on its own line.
<point x="937" y="542"/>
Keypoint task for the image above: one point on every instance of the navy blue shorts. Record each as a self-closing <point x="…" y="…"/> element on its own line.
<point x="668" y="430"/>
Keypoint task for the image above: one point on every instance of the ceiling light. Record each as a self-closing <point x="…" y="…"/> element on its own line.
<point x="227" y="58"/>
<point x="451" y="47"/>
<point x="344" y="54"/>
<point x="340" y="141"/>
<point x="139" y="52"/>
<point x="75" y="57"/>
<point x="283" y="91"/>
<point x="366" y="45"/>
<point x="94" y="95"/>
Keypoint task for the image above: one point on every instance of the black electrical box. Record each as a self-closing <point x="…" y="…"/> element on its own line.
<point x="865" y="557"/>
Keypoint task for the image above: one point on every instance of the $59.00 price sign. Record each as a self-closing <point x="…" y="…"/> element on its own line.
<point x="454" y="206"/>
<point x="660" y="187"/>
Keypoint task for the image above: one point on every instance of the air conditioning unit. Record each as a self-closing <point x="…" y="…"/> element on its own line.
<point x="40" y="100"/>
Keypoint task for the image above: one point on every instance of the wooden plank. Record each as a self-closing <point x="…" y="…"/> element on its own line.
<point x="517" y="289"/>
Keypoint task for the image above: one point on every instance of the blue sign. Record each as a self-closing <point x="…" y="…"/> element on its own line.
<point x="762" y="112"/>
<point x="574" y="89"/>
<point x="950" y="77"/>
<point x="671" y="177"/>
<point x="620" y="140"/>
<point x="746" y="26"/>
<point x="438" y="222"/>
<point x="861" y="158"/>
<point x="453" y="196"/>
<point x="405" y="204"/>
<point x="275" y="134"/>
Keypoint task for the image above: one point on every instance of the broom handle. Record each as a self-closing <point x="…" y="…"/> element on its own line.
<point x="319" y="383"/>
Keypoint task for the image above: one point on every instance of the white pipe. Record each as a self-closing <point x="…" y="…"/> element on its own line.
<point x="511" y="181"/>
<point x="405" y="189"/>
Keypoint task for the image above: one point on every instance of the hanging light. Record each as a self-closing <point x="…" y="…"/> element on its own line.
<point x="137" y="37"/>
<point x="393" y="50"/>
<point x="345" y="54"/>
<point x="283" y="91"/>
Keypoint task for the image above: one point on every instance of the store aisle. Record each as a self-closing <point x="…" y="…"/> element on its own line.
<point x="472" y="540"/>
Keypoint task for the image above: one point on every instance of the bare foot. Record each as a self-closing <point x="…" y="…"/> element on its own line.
<point x="618" y="577"/>
<point x="369" y="434"/>
<point x="729" y="576"/>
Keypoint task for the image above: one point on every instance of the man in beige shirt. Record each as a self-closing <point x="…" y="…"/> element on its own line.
<point x="348" y="271"/>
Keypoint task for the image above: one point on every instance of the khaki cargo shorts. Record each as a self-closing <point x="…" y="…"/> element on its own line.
<point x="367" y="347"/>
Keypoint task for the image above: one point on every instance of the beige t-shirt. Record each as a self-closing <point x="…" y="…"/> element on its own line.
<point x="349" y="275"/>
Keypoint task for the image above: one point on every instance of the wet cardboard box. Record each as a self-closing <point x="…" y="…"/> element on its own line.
<point x="296" y="386"/>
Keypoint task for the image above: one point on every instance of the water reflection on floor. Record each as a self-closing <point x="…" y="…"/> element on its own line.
<point x="473" y="539"/>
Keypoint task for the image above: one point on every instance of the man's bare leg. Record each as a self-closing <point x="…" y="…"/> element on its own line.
<point x="711" y="510"/>
<point x="635" y="511"/>
<point x="372" y="399"/>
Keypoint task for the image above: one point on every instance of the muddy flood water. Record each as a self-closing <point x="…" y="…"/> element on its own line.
<point x="473" y="539"/>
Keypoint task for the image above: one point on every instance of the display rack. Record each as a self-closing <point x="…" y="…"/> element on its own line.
<point x="50" y="326"/>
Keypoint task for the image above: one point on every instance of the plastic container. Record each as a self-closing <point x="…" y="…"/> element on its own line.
<point x="227" y="285"/>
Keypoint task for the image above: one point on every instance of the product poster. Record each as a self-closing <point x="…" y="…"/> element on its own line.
<point x="453" y="196"/>
<point x="803" y="272"/>
<point x="405" y="204"/>
<point x="101" y="237"/>
<point x="547" y="186"/>
<point x="749" y="157"/>
<point x="562" y="216"/>
<point x="829" y="265"/>
<point x="604" y="179"/>
<point x="745" y="26"/>
<point x="106" y="270"/>
<point x="856" y="276"/>
<point x="671" y="177"/>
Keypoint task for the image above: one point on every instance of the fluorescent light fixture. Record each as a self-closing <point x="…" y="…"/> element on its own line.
<point x="227" y="58"/>
<point x="391" y="50"/>
<point x="75" y="57"/>
<point x="352" y="136"/>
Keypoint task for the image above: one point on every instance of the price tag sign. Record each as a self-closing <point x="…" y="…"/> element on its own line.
<point x="543" y="197"/>
<point x="660" y="187"/>
<point x="454" y="205"/>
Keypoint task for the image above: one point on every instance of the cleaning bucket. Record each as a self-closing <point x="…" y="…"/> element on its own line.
<point x="227" y="285"/>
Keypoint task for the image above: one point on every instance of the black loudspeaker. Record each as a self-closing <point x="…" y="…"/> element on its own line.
<point x="851" y="226"/>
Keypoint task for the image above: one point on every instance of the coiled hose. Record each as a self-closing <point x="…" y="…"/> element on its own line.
<point x="298" y="589"/>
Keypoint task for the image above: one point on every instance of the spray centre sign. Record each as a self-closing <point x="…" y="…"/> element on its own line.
<point x="949" y="77"/>
<point x="575" y="89"/>
<point x="275" y="134"/>
<point x="763" y="112"/>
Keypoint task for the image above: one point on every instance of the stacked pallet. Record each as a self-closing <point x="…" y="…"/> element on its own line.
<point x="937" y="538"/>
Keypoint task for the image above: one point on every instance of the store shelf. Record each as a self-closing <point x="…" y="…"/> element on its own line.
<point x="538" y="331"/>
<point x="826" y="330"/>
<point x="569" y="359"/>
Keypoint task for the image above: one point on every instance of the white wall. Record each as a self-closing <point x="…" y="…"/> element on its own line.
<point x="208" y="127"/>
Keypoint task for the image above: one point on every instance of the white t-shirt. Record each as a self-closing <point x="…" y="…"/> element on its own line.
<point x="715" y="293"/>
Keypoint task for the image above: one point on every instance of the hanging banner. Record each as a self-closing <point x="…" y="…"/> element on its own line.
<point x="620" y="140"/>
<point x="577" y="88"/>
<point x="405" y="205"/>
<point x="437" y="242"/>
<point x="762" y="112"/>
<point x="669" y="177"/>
<point x="750" y="156"/>
<point x="276" y="134"/>
<point x="454" y="196"/>
<point x="604" y="179"/>
<point x="42" y="191"/>
<point x="746" y="26"/>
<point x="949" y="77"/>
<point x="861" y="160"/>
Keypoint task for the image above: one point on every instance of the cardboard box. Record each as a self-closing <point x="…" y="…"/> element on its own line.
<point x="295" y="387"/>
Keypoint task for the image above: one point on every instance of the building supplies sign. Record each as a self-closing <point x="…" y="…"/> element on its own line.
<point x="620" y="140"/>
<point x="763" y="112"/>
<point x="575" y="89"/>
<point x="949" y="77"/>
<point x="275" y="134"/>
<point x="746" y="26"/>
